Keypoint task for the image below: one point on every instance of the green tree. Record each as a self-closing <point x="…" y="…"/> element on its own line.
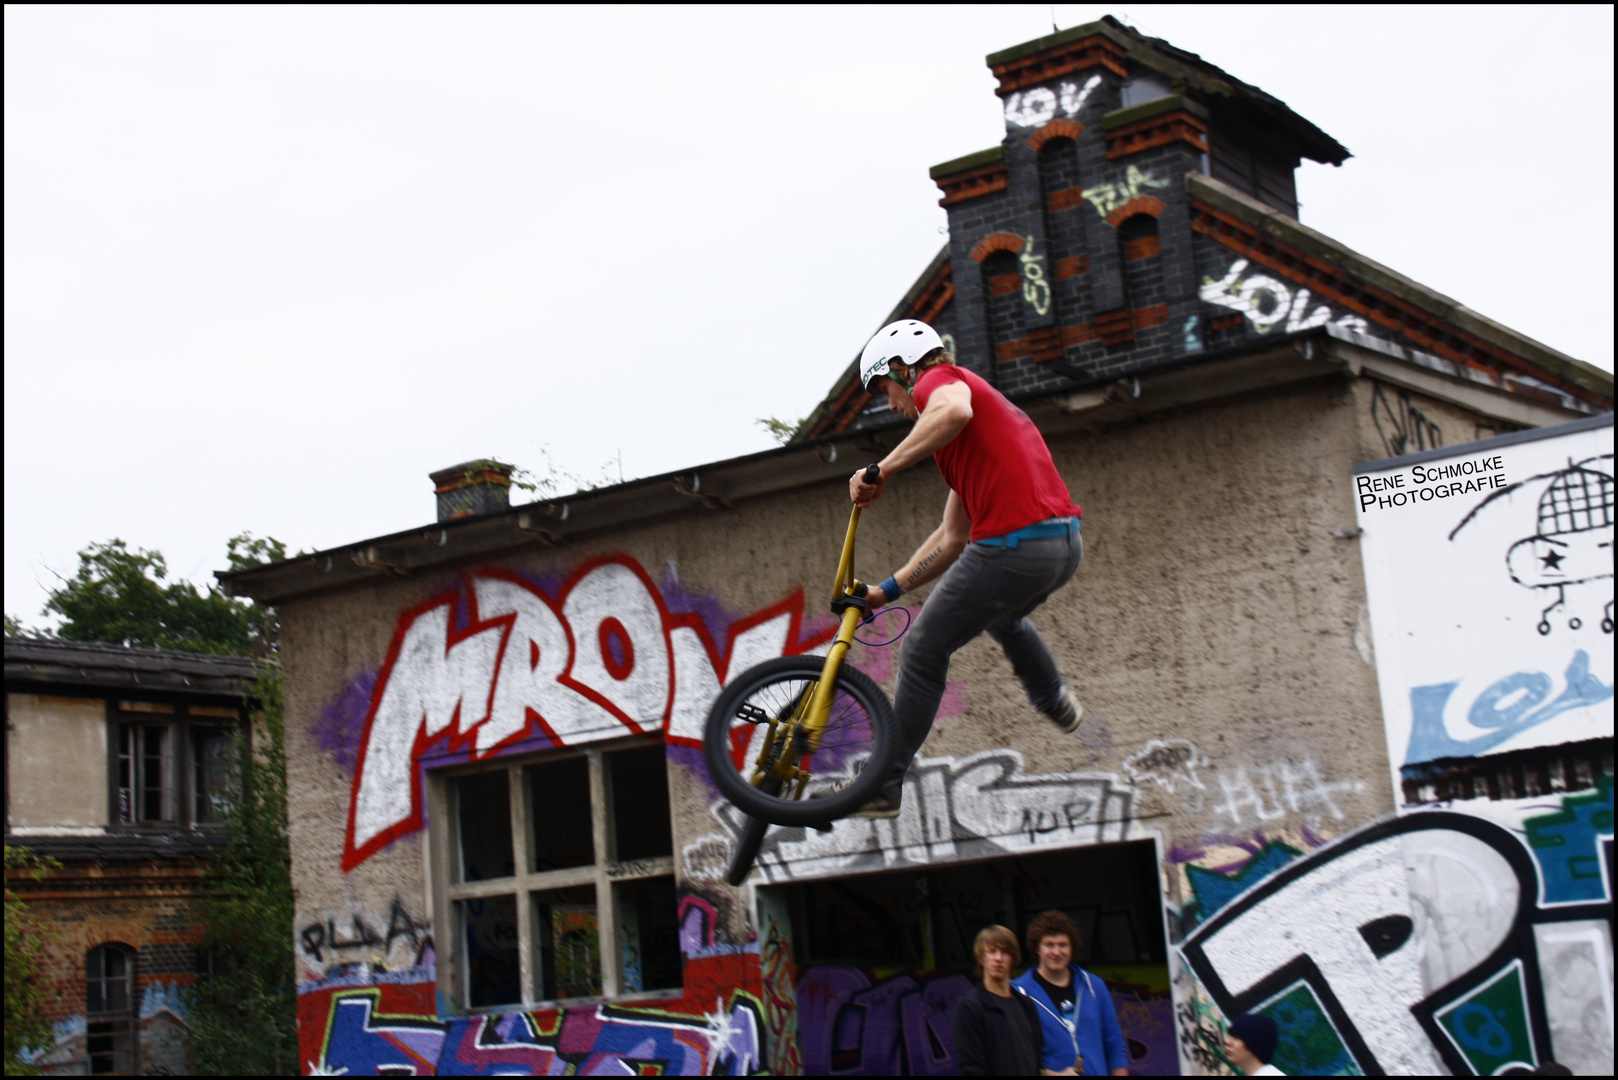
<point x="779" y="430"/>
<point x="15" y="628"/>
<point x="244" y="1009"/>
<point x="122" y="596"/>
<point x="26" y="1029"/>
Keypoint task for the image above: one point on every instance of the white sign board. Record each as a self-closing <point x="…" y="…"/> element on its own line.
<point x="1488" y="570"/>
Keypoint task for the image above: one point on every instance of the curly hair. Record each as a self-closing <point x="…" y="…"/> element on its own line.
<point x="1051" y="924"/>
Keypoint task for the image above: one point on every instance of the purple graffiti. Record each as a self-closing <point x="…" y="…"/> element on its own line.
<point x="852" y="1026"/>
<point x="341" y="725"/>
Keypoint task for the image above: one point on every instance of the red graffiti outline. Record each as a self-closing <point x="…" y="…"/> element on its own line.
<point x="460" y="738"/>
<point x="352" y="857"/>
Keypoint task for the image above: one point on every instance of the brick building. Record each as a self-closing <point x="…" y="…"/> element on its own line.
<point x="115" y="767"/>
<point x="509" y="855"/>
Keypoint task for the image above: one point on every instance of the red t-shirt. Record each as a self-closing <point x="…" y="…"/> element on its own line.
<point x="999" y="464"/>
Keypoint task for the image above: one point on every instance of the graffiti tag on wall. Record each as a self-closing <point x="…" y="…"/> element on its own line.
<point x="1434" y="942"/>
<point x="1108" y="197"/>
<point x="970" y="808"/>
<point x="1266" y="301"/>
<point x="501" y="663"/>
<point x="1031" y="108"/>
<point x="388" y="1024"/>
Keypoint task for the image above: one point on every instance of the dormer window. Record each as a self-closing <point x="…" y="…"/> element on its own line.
<point x="1145" y="86"/>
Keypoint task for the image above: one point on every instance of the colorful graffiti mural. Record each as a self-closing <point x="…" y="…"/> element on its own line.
<point x="1460" y="940"/>
<point x="504" y="663"/>
<point x="382" y="1022"/>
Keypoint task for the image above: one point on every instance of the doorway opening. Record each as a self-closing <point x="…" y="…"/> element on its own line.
<point x="880" y="959"/>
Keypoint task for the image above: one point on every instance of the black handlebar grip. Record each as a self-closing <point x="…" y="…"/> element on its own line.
<point x="872" y="473"/>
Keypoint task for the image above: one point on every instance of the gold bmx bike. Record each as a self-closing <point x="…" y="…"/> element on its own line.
<point x="802" y="740"/>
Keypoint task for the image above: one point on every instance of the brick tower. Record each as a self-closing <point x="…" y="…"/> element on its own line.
<point x="1141" y="214"/>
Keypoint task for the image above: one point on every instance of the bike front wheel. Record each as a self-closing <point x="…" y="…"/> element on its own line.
<point x="759" y="708"/>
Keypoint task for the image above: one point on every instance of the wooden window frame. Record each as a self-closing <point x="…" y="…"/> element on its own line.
<point x="128" y="1017"/>
<point x="443" y="858"/>
<point x="181" y="788"/>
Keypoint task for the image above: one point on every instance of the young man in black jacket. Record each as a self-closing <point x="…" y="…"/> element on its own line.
<point x="996" y="1030"/>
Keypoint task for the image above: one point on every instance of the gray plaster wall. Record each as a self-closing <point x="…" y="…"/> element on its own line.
<point x="1214" y="613"/>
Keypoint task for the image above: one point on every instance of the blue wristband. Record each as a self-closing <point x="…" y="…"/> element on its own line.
<point x="890" y="588"/>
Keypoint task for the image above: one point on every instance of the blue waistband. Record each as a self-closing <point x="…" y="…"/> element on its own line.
<point x="1040" y="530"/>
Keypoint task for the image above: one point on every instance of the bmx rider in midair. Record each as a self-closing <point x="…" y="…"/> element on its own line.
<point x="1009" y="538"/>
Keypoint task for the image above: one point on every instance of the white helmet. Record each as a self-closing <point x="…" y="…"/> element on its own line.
<point x="906" y="341"/>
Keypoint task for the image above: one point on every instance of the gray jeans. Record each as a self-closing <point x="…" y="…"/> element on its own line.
<point x="988" y="588"/>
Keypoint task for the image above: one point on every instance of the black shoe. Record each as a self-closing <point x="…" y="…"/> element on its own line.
<point x="885" y="804"/>
<point x="1067" y="714"/>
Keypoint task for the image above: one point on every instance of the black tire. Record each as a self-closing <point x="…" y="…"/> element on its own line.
<point x="743" y="855"/>
<point x="861" y="725"/>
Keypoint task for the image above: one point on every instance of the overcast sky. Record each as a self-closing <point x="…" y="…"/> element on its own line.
<point x="265" y="268"/>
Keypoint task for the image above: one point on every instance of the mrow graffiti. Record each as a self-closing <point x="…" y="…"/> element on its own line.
<point x="1463" y="940"/>
<point x="503" y="663"/>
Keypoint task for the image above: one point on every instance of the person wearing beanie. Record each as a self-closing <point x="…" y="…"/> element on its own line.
<point x="1251" y="1044"/>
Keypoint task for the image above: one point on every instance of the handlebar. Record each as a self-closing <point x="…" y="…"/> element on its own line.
<point x="845" y="585"/>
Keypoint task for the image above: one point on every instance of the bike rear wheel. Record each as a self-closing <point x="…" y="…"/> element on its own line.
<point x="845" y="769"/>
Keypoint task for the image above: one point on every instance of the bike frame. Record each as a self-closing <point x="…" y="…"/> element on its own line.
<point x="848" y="602"/>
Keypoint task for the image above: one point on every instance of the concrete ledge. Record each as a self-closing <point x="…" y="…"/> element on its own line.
<point x="1148" y="109"/>
<point x="992" y="156"/>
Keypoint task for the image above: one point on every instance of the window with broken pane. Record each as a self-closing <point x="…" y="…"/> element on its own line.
<point x="109" y="1017"/>
<point x="171" y="763"/>
<point x="559" y="877"/>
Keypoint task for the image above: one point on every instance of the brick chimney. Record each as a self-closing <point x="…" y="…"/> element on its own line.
<point x="472" y="488"/>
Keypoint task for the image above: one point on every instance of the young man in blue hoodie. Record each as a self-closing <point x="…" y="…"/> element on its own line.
<point x="1081" y="1031"/>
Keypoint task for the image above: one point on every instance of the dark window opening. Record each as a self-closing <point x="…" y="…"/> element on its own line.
<point x="491" y="942"/>
<point x="560" y="794"/>
<point x="649" y="933"/>
<point x="109" y="1019"/>
<point x="926" y="920"/>
<point x="562" y="885"/>
<point x="483" y="804"/>
<point x="639" y="782"/>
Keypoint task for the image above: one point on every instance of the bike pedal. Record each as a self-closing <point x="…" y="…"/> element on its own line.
<point x="752" y="714"/>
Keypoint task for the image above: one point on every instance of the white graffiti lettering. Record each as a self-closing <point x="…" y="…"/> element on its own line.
<point x="502" y="662"/>
<point x="971" y="808"/>
<point x="1264" y="301"/>
<point x="1031" y="108"/>
<point x="1284" y="789"/>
